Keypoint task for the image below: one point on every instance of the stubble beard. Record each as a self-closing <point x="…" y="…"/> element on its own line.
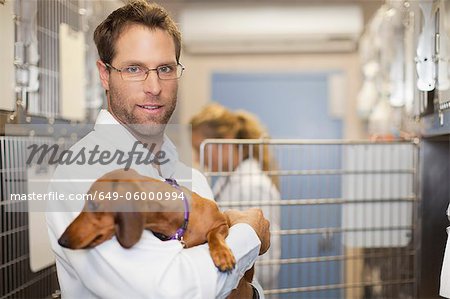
<point x="149" y="127"/>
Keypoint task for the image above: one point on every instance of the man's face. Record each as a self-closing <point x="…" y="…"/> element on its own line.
<point x="149" y="102"/>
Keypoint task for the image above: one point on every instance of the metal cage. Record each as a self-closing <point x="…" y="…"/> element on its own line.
<point x="17" y="280"/>
<point x="347" y="213"/>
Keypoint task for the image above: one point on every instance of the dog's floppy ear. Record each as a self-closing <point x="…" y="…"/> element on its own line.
<point x="129" y="227"/>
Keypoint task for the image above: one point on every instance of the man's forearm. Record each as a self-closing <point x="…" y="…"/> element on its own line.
<point x="245" y="246"/>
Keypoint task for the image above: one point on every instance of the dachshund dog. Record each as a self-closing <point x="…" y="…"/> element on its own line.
<point x="193" y="220"/>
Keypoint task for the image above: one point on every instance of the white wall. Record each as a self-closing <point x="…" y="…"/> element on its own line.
<point x="195" y="86"/>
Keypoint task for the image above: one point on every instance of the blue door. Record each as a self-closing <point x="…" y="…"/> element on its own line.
<point x="295" y="105"/>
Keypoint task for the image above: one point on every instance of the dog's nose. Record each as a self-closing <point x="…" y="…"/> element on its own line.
<point x="64" y="242"/>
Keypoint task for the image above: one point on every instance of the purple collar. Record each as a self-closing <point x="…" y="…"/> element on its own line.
<point x="182" y="230"/>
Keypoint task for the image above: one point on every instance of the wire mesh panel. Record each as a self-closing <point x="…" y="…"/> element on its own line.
<point x="343" y="214"/>
<point x="38" y="50"/>
<point x="17" y="280"/>
<point x="50" y="14"/>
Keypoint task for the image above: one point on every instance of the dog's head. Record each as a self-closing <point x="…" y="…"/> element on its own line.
<point x="93" y="227"/>
<point x="100" y="219"/>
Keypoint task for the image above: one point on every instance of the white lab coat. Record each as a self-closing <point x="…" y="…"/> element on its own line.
<point x="445" y="274"/>
<point x="249" y="183"/>
<point x="151" y="268"/>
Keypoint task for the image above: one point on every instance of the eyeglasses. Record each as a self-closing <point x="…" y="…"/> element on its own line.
<point x="140" y="73"/>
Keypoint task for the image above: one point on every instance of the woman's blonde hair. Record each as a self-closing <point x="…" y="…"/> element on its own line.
<point x="216" y="121"/>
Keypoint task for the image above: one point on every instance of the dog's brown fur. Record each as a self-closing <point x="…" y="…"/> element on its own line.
<point x="100" y="220"/>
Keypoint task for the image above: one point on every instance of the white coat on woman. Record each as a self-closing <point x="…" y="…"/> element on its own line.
<point x="248" y="183"/>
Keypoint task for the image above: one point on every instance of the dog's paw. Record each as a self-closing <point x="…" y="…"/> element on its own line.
<point x="223" y="258"/>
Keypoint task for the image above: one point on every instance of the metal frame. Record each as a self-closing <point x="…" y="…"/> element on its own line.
<point x="394" y="283"/>
<point x="16" y="278"/>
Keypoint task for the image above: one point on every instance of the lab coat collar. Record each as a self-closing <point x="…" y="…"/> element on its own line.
<point x="121" y="139"/>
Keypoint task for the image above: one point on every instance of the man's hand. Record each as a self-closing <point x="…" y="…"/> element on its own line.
<point x="255" y="218"/>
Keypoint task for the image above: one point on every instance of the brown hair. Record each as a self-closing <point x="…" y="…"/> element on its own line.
<point x="135" y="12"/>
<point x="216" y="121"/>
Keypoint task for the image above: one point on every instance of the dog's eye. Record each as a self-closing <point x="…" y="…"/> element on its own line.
<point x="92" y="205"/>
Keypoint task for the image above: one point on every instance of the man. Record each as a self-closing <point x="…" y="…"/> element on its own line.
<point x="139" y="49"/>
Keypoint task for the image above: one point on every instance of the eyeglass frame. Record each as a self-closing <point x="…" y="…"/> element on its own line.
<point x="148" y="71"/>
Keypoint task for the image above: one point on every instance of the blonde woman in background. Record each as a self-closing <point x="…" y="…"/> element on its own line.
<point x="246" y="164"/>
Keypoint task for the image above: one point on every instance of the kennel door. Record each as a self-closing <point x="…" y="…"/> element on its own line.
<point x="378" y="188"/>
